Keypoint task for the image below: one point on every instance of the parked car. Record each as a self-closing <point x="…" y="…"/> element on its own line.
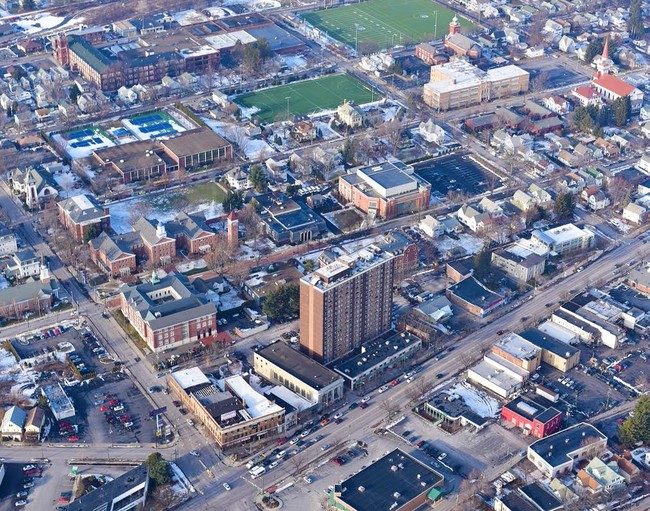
<point x="282" y="441"/>
<point x="226" y="486"/>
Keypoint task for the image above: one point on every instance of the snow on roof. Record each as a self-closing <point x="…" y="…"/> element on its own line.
<point x="187" y="378"/>
<point x="256" y="404"/>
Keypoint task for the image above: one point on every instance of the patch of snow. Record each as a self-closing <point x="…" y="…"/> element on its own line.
<point x="39" y="22"/>
<point x="294" y="61"/>
<point x="189" y="17"/>
<point x="390" y="113"/>
<point x="480" y="403"/>
<point x="258" y="150"/>
<point x="469" y="243"/>
<point x="7" y="360"/>
<point x="180" y="477"/>
<point x="249" y="112"/>
<point x="230" y="300"/>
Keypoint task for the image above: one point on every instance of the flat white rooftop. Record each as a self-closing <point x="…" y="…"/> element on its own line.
<point x="558" y="332"/>
<point x="256" y="404"/>
<point x="187" y="378"/>
<point x="566" y="233"/>
<point x="518" y="347"/>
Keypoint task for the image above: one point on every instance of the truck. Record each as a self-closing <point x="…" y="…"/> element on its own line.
<point x="257" y="459"/>
<point x="257" y="471"/>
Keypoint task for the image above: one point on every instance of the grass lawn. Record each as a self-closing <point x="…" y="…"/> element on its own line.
<point x="384" y="23"/>
<point x="306" y="97"/>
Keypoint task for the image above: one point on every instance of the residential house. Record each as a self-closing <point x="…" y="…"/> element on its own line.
<point x="587" y="95"/>
<point x="634" y="213"/>
<point x="237" y="179"/>
<point x="472" y="219"/>
<point x="23" y="264"/>
<point x="304" y="131"/>
<point x="541" y="196"/>
<point x="34" y="424"/>
<point x="8" y="244"/>
<point x="32" y="296"/>
<point x="350" y="115"/>
<point x="643" y="164"/>
<point x="573" y="183"/>
<point x="607" y="147"/>
<point x="595" y="198"/>
<point x="567" y="45"/>
<point x="490" y="207"/>
<point x="431" y="226"/>
<point x="127" y="95"/>
<point x="13" y="424"/>
<point x="431" y="132"/>
<point x="599" y="476"/>
<point x="557" y="104"/>
<point x="523" y="201"/>
<point x="569" y="159"/>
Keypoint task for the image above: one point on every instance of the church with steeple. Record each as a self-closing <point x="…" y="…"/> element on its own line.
<point x="459" y="44"/>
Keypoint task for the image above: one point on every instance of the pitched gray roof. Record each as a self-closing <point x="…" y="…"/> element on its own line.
<point x="82" y="208"/>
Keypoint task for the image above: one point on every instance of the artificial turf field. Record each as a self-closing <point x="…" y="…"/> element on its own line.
<point x="384" y="23"/>
<point x="306" y="97"/>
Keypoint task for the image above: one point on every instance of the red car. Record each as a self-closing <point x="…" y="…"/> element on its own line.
<point x="63" y="423"/>
<point x="113" y="402"/>
<point x="363" y="406"/>
<point x="394" y="382"/>
<point x="64" y="499"/>
<point x="73" y="438"/>
<point x="282" y="441"/>
<point x="104" y="408"/>
<point x="125" y="418"/>
<point x="271" y="489"/>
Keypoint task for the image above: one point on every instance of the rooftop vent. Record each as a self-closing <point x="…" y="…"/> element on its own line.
<point x="396" y="495"/>
<point x="393" y="468"/>
<point x="361" y="489"/>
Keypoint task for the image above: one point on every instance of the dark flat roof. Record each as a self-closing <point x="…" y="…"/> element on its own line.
<point x="542" y="498"/>
<point x="470" y="290"/>
<point x="397" y="477"/>
<point x="102" y="498"/>
<point x="548" y="343"/>
<point x="515" y="502"/>
<point x="301" y="366"/>
<point x="554" y="449"/>
<point x="532" y="408"/>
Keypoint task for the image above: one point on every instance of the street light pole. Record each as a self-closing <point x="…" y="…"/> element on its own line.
<point x="287" y="98"/>
<point x="356" y="38"/>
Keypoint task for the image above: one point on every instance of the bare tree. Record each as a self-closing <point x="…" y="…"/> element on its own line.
<point x="220" y="255"/>
<point x="139" y="210"/>
<point x="391" y="408"/>
<point x="391" y="132"/>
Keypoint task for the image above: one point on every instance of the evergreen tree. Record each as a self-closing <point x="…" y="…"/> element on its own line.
<point x="159" y="470"/>
<point x="282" y="303"/>
<point x="232" y="201"/>
<point x="636" y="428"/>
<point x="257" y="177"/>
<point x="564" y="205"/>
<point x="635" y="21"/>
<point x="348" y="151"/>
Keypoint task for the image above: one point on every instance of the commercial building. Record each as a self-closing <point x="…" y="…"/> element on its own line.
<point x="561" y="451"/>
<point x="563" y="239"/>
<point x="396" y="481"/>
<point x="282" y="365"/>
<point x="532" y="416"/>
<point x="532" y="497"/>
<point x="59" y="402"/>
<point x="232" y="413"/>
<point x="589" y="327"/>
<point x="520" y="267"/>
<point x="451" y="410"/>
<point x="168" y="312"/>
<point x="555" y="353"/>
<point x="34" y="424"/>
<point x="82" y="215"/>
<point x="639" y="279"/>
<point x="120" y="494"/>
<point x="346" y="303"/>
<point x="518" y="351"/>
<point x="376" y="356"/>
<point x="460" y="84"/>
<point x="469" y="294"/>
<point x="386" y="190"/>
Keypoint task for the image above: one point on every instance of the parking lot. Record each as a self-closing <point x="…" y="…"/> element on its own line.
<point x="558" y="73"/>
<point x="17" y="480"/>
<point x="116" y="412"/>
<point x="455" y="172"/>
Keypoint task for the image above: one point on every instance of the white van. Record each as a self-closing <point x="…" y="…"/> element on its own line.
<point x="257" y="471"/>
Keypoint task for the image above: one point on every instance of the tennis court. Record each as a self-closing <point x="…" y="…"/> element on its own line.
<point x="75" y="135"/>
<point x="152" y="125"/>
<point x="87" y="142"/>
<point x="306" y="97"/>
<point x="378" y="24"/>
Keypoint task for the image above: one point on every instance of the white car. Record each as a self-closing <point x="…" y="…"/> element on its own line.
<point x="281" y="455"/>
<point x="194" y="453"/>
<point x="274" y="464"/>
<point x="383" y="389"/>
<point x="226" y="486"/>
<point x="308" y="479"/>
<point x="365" y="399"/>
<point x="338" y="416"/>
<point x="442" y="456"/>
<point x="190" y="422"/>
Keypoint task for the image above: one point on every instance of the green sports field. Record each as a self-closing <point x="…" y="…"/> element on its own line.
<point x="306" y="97"/>
<point x="384" y="23"/>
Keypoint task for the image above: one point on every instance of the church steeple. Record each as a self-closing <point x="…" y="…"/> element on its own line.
<point x="454" y="26"/>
